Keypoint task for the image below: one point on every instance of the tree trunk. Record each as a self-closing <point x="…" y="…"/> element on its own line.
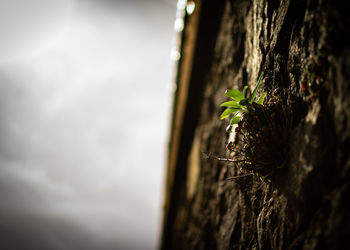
<point x="302" y="47"/>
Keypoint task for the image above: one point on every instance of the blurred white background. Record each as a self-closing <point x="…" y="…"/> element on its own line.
<point x="84" y="113"/>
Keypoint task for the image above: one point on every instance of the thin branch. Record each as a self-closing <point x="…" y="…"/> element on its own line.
<point x="238" y="176"/>
<point x="222" y="159"/>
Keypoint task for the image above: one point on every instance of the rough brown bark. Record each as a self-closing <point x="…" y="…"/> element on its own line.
<point x="303" y="49"/>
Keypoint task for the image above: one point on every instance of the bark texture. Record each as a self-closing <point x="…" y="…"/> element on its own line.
<point x="303" y="49"/>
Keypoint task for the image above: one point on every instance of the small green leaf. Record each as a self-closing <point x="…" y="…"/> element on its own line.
<point x="235" y="119"/>
<point x="245" y="91"/>
<point x="261" y="98"/>
<point x="227" y="112"/>
<point x="231" y="104"/>
<point x="234" y="94"/>
<point x="252" y="97"/>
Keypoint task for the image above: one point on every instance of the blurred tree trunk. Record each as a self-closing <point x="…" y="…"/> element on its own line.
<point x="303" y="49"/>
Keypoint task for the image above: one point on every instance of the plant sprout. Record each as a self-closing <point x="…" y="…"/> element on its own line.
<point x="262" y="137"/>
<point x="240" y="103"/>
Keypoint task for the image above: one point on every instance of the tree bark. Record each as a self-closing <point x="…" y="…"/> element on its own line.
<point x="302" y="47"/>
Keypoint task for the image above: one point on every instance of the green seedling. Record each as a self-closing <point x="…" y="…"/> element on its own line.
<point x="262" y="136"/>
<point x="240" y="103"/>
